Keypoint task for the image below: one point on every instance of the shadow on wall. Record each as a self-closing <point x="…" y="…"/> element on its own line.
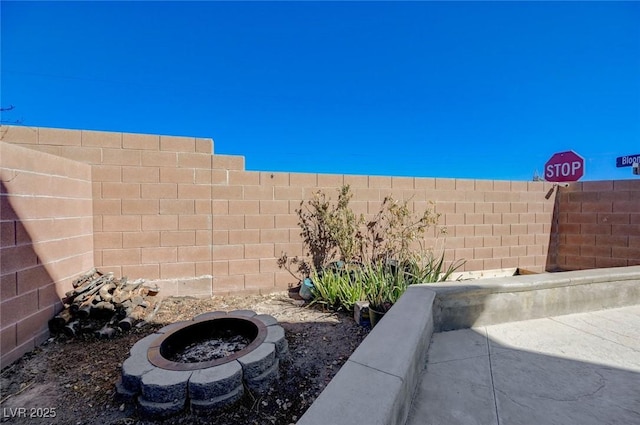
<point x="595" y="224"/>
<point x="25" y="284"/>
<point x="554" y="233"/>
<point x="550" y="373"/>
<point x="457" y="306"/>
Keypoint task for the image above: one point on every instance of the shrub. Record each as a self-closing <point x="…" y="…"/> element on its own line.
<point x="329" y="232"/>
<point x="338" y="288"/>
<point x="332" y="231"/>
<point x="393" y="230"/>
<point x="377" y="258"/>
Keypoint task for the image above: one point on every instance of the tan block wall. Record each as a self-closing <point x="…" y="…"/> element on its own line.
<point x="46" y="233"/>
<point x="491" y="224"/>
<point x="597" y="225"/>
<point x="151" y="198"/>
<point x="165" y="208"/>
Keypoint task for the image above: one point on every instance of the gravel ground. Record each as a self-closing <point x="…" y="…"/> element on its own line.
<point x="75" y="379"/>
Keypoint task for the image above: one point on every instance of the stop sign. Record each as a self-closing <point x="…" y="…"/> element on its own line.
<point x="564" y="167"/>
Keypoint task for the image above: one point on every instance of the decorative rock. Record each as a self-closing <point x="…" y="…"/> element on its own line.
<point x="143" y="345"/>
<point x="164" y="386"/>
<point x="267" y="319"/>
<point x="275" y="335"/>
<point x="258" y="361"/>
<point x="163" y="392"/>
<point x="124" y="394"/>
<point x="202" y="407"/>
<point x="210" y="315"/>
<point x="243" y="313"/>
<point x="215" y="382"/>
<point x="133" y="369"/>
<point x="264" y="381"/>
<point x="361" y="313"/>
<point x="170" y="327"/>
<point x="152" y="409"/>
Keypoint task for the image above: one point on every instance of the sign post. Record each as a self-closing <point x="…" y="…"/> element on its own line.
<point x="564" y="167"/>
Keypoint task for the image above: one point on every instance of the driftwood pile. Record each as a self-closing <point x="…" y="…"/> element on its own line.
<point x="103" y="305"/>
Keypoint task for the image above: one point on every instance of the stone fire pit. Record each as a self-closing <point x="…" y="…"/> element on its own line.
<point x="164" y="381"/>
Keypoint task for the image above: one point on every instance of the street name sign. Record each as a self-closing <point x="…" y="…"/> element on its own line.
<point x="627" y="160"/>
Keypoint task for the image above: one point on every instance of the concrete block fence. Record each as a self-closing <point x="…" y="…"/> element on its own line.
<point x="597" y="225"/>
<point x="169" y="209"/>
<point x="46" y="229"/>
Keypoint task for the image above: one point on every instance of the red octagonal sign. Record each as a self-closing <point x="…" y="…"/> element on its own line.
<point x="564" y="167"/>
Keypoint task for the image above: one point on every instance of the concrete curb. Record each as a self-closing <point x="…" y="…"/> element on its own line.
<point x="464" y="304"/>
<point x="379" y="379"/>
<point x="529" y="282"/>
<point x="378" y="382"/>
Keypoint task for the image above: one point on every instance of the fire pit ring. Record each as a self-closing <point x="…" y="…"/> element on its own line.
<point x="177" y="338"/>
<point x="163" y="387"/>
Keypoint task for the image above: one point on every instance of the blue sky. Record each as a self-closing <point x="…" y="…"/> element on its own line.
<point x="485" y="90"/>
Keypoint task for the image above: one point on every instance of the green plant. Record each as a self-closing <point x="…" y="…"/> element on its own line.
<point x="350" y="259"/>
<point x="338" y="289"/>
<point x="387" y="281"/>
<point x="384" y="285"/>
<point x="425" y="267"/>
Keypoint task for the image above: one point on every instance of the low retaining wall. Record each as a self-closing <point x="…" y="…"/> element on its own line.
<point x="460" y="305"/>
<point x="377" y="384"/>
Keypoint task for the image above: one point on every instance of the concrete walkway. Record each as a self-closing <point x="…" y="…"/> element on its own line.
<point x="581" y="369"/>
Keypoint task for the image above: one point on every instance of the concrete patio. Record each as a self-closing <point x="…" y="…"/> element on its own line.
<point x="572" y="369"/>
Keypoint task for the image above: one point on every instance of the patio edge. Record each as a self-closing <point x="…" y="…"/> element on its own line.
<point x="378" y="382"/>
<point x="379" y="379"/>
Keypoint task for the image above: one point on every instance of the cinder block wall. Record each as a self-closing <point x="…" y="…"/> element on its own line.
<point x="166" y="208"/>
<point x="151" y="201"/>
<point x="46" y="233"/>
<point x="491" y="224"/>
<point x="597" y="225"/>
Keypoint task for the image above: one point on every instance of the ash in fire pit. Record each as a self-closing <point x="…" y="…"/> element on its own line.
<point x="214" y="348"/>
<point x="207" y="342"/>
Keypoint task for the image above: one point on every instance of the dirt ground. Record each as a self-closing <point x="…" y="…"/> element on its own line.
<point x="75" y="379"/>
